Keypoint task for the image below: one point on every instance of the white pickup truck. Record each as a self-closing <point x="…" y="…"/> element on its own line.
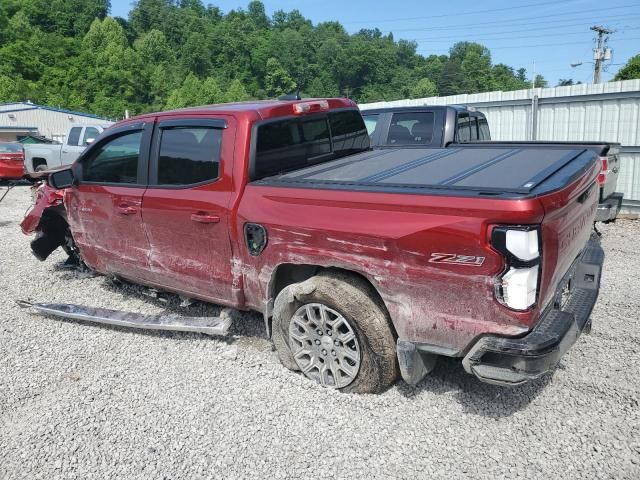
<point x="43" y="156"/>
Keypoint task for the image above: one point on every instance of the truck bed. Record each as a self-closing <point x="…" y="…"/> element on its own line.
<point x="514" y="171"/>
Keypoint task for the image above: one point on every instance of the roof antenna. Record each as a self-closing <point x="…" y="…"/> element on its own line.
<point x="292" y="96"/>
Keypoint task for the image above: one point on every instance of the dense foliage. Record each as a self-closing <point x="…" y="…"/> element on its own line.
<point x="630" y="71"/>
<point x="173" y="53"/>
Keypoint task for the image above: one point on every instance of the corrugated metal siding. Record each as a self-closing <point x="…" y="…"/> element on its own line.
<point x="603" y="112"/>
<point x="50" y="123"/>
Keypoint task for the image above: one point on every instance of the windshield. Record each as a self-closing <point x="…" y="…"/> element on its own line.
<point x="10" y="148"/>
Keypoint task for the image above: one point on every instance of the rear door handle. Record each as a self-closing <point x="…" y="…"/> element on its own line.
<point x="127" y="210"/>
<point x="204" y="218"/>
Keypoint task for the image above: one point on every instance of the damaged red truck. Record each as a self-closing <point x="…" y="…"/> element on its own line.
<point x="365" y="264"/>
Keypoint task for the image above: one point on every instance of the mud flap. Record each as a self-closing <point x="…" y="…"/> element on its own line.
<point x="414" y="365"/>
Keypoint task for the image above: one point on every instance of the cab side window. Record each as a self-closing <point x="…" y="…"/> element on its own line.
<point x="74" y="136"/>
<point x="483" y="129"/>
<point x="115" y="161"/>
<point x="90" y="133"/>
<point x="463" y="130"/>
<point x="189" y="155"/>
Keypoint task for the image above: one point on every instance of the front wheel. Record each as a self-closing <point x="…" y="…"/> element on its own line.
<point x="334" y="329"/>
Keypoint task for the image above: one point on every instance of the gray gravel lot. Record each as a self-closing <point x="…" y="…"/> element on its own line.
<point x="83" y="401"/>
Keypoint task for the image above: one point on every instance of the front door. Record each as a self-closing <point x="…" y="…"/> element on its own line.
<point x="105" y="208"/>
<point x="185" y="209"/>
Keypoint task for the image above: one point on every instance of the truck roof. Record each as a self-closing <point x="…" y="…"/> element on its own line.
<point x="263" y="108"/>
<point x="419" y="108"/>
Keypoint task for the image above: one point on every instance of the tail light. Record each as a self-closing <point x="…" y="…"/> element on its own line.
<point x="602" y="177"/>
<point x="517" y="287"/>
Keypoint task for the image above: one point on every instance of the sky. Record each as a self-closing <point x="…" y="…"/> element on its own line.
<point x="550" y="35"/>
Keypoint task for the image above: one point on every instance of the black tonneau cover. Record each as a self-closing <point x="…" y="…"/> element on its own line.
<point x="506" y="172"/>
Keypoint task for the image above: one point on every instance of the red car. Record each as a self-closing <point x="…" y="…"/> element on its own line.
<point x="11" y="161"/>
<point x="365" y="264"/>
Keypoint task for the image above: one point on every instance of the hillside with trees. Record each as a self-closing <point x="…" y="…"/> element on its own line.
<point x="174" y="53"/>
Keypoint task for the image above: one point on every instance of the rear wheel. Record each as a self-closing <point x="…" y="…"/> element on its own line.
<point x="334" y="329"/>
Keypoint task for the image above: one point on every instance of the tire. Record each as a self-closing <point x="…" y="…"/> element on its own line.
<point x="352" y="308"/>
<point x="41" y="168"/>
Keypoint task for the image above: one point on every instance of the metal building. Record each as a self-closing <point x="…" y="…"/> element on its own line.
<point x="608" y="112"/>
<point x="19" y="119"/>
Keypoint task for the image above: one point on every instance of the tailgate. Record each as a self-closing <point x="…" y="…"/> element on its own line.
<point x="611" y="174"/>
<point x="566" y="229"/>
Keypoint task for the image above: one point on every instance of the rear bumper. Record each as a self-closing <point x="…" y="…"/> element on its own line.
<point x="513" y="361"/>
<point x="609" y="208"/>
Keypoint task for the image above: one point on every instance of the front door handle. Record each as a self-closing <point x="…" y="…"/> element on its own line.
<point x="127" y="210"/>
<point x="205" y="218"/>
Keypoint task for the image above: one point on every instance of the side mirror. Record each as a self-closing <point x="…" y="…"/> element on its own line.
<point x="62" y="179"/>
<point x="89" y="141"/>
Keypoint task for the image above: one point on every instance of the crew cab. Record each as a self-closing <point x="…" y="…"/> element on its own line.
<point x="434" y="126"/>
<point x="45" y="156"/>
<point x="11" y="161"/>
<point x="365" y="263"/>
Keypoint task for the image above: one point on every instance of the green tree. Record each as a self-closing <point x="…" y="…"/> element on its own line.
<point x="539" y="82"/>
<point x="236" y="92"/>
<point x="630" y="71"/>
<point x="277" y="81"/>
<point x="424" y="88"/>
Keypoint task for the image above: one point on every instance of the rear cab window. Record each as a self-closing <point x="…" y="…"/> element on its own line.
<point x="411" y="128"/>
<point x="292" y="143"/>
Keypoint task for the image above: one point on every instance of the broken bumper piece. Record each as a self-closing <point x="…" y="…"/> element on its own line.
<point x="207" y="325"/>
<point x="514" y="361"/>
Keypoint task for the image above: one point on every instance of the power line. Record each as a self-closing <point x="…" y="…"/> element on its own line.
<point x="548" y="44"/>
<point x="509" y="37"/>
<point x="458" y="14"/>
<point x="529" y="21"/>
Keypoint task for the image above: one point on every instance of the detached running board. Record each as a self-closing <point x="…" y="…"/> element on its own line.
<point x="207" y="325"/>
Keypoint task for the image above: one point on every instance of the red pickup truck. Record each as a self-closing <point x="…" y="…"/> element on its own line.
<point x="364" y="263"/>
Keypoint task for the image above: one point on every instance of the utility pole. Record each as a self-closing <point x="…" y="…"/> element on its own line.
<point x="601" y="52"/>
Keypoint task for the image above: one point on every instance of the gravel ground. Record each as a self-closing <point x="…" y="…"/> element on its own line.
<point x="82" y="401"/>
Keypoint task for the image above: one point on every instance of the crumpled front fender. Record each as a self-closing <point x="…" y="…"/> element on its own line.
<point x="46" y="197"/>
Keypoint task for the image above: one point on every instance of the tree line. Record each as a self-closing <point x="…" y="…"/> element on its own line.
<point x="175" y="53"/>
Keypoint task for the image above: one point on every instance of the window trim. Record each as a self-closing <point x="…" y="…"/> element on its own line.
<point x="216" y="123"/>
<point x="146" y="128"/>
<point x="254" y="132"/>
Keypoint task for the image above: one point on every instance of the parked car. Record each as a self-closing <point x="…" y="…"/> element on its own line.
<point x="459" y="126"/>
<point x="364" y="263"/>
<point x="40" y="157"/>
<point x="11" y="161"/>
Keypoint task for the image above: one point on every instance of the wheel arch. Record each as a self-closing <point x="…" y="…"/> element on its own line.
<point x="287" y="274"/>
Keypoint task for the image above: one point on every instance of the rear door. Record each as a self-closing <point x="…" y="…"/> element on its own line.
<point x="73" y="146"/>
<point x="185" y="210"/>
<point x="105" y="207"/>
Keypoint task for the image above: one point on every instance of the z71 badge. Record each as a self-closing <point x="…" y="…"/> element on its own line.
<point x="456" y="259"/>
